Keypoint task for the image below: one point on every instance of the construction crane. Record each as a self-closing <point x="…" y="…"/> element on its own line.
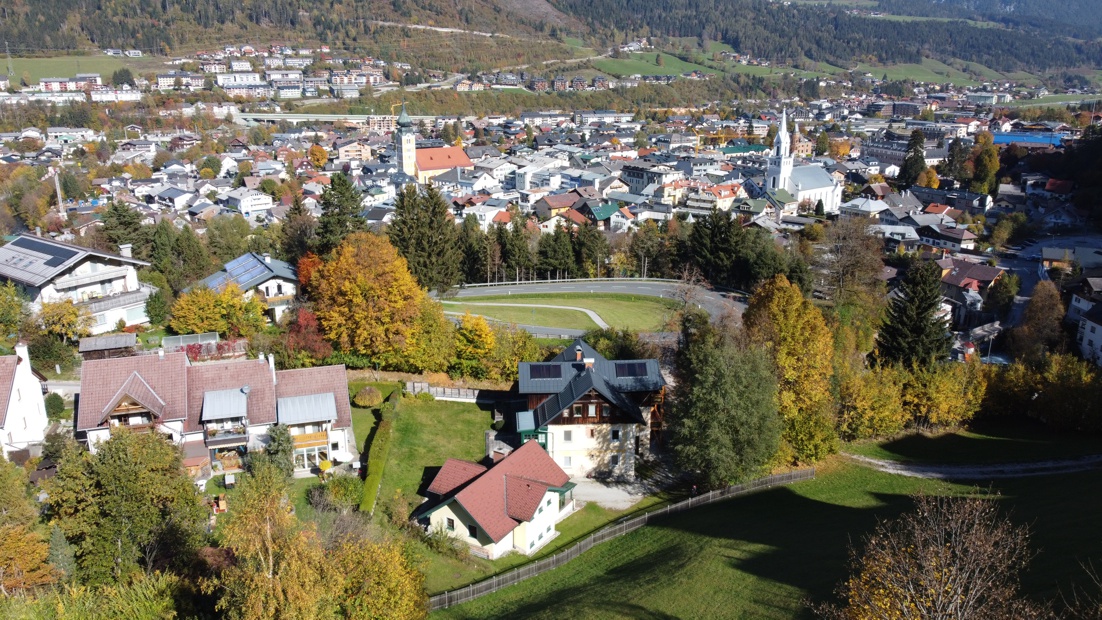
<point x="55" y="172"/>
<point x="721" y="136"/>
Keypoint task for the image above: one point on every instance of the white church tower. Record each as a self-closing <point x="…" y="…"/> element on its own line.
<point x="780" y="164"/>
<point x="406" y="144"/>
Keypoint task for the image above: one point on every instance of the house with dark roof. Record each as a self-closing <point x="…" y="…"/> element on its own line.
<point x="106" y="285"/>
<point x="591" y="414"/>
<point x="22" y="409"/>
<point x="273" y="281"/>
<point x="217" y="412"/>
<point x="512" y="505"/>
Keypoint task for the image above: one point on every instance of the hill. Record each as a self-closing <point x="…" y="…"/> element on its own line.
<point x="1076" y="18"/>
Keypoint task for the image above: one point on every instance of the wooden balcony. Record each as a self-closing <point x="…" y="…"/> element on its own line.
<point x="274" y="300"/>
<point x="311" y="440"/>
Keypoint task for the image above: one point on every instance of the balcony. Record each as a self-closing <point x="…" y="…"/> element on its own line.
<point x="311" y="440"/>
<point x="274" y="300"/>
<point x="84" y="279"/>
<point x="118" y="300"/>
<point x="222" y="437"/>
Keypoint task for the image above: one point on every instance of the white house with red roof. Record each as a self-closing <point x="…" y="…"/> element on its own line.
<point x="23" y="419"/>
<point x="511" y="506"/>
<point x="218" y="412"/>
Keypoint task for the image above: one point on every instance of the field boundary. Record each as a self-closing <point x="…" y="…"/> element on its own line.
<point x="609" y="532"/>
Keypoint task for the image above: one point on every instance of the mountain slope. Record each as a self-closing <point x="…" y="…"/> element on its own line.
<point x="1080" y="18"/>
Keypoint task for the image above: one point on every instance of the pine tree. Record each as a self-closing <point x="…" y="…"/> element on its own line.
<point x="299" y="231"/>
<point x="425" y="235"/>
<point x="915" y="162"/>
<point x="341" y="213"/>
<point x="914" y="333"/>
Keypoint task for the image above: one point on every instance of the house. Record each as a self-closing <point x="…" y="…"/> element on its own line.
<point x="1089" y="335"/>
<point x="248" y="202"/>
<point x="1083" y="299"/>
<point x="433" y="161"/>
<point x="592" y="415"/>
<point x="273" y="281"/>
<point x="104" y="347"/>
<point x="23" y="420"/>
<point x="954" y="239"/>
<point x="868" y="208"/>
<point x="106" y="285"/>
<point x="512" y="505"/>
<point x="218" y="411"/>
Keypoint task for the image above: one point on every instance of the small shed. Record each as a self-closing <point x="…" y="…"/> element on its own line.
<point x="108" y="347"/>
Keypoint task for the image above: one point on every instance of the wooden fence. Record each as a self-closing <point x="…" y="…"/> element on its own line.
<point x="605" y="534"/>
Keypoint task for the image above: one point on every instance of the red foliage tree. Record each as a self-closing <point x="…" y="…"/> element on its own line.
<point x="306" y="267"/>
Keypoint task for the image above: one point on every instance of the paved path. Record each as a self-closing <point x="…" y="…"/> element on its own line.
<point x="591" y="314"/>
<point x="981" y="472"/>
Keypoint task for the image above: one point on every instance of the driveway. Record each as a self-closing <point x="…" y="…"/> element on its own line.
<point x="611" y="495"/>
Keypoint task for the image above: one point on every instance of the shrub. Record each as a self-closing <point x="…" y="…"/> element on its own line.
<point x="376" y="460"/>
<point x="368" y="398"/>
<point x="425" y="397"/>
<point x="55" y="405"/>
<point x="121" y="325"/>
<point x="343" y="493"/>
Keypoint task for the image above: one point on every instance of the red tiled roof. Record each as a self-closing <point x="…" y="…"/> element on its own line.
<point x="442" y="158"/>
<point x="575" y="216"/>
<point x="523" y="473"/>
<point x="202" y="378"/>
<point x="7" y="380"/>
<point x="503" y="217"/>
<point x="454" y="474"/>
<point x="560" y="201"/>
<point x="101" y="380"/>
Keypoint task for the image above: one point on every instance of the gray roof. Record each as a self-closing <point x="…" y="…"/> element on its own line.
<point x="309" y="408"/>
<point x="250" y="270"/>
<point x="223" y="404"/>
<point x="811" y="177"/>
<point x="106" y="343"/>
<point x="34" y="261"/>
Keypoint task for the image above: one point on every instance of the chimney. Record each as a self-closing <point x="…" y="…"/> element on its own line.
<point x="124" y="250"/>
<point x="267" y="257"/>
<point x="38" y="231"/>
<point x="21" y="353"/>
<point x="578" y="354"/>
<point x="589" y="362"/>
<point x="161" y="353"/>
<point x="271" y="365"/>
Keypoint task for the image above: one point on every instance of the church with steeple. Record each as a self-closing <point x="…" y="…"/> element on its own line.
<point x="405" y="143"/>
<point x="420" y="165"/>
<point x="786" y="183"/>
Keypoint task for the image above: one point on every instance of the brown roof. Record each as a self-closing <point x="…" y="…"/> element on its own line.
<point x="442" y="158"/>
<point x="7" y="380"/>
<point x="318" y="380"/>
<point x="203" y="378"/>
<point x="560" y="201"/>
<point x="509" y="492"/>
<point x="102" y="383"/>
<point x="454" y="474"/>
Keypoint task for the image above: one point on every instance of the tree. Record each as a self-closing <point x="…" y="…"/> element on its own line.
<point x="955" y="160"/>
<point x="1000" y="297"/>
<point x="590" y="250"/>
<point x="1040" y="331"/>
<point x="128" y="507"/>
<point x="928" y="178"/>
<point x="279" y="567"/>
<point x="723" y="424"/>
<point x="869" y="403"/>
<point x="659" y="60"/>
<point x="430" y="346"/>
<point x="13" y="310"/>
<point x="157" y="307"/>
<point x="227" y="312"/>
<point x="984" y="177"/>
<point x="227" y="237"/>
<point x="24" y="563"/>
<point x="121" y="224"/>
<point x="122" y="76"/>
<point x="425" y="234"/>
<point x="822" y="143"/>
<point x="474" y="342"/>
<point x="299" y="230"/>
<point x="378" y="581"/>
<point x="317" y="155"/>
<point x="555" y="254"/>
<point x="190" y="260"/>
<point x="915" y="333"/>
<point x="341" y="213"/>
<point x="366" y="299"/>
<point x="951" y="557"/>
<point x="850" y="259"/>
<point x="16" y="506"/>
<point x="801" y="346"/>
<point x="915" y="161"/>
<point x="280" y="451"/>
<point x="64" y="320"/>
<point x="943" y="394"/>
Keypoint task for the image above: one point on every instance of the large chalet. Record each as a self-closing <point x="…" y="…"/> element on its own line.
<point x="592" y="415"/>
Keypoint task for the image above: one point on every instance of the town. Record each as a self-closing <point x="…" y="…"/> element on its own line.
<point x="281" y="340"/>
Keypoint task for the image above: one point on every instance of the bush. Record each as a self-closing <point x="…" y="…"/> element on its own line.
<point x="368" y="398"/>
<point x="425" y="397"/>
<point x="55" y="405"/>
<point x="376" y="460"/>
<point x="47" y="352"/>
<point x="343" y="493"/>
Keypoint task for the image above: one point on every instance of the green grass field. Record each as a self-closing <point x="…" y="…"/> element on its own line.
<point x="929" y="71"/>
<point x="620" y="311"/>
<point x="363" y="420"/>
<point x="1051" y="100"/>
<point x="68" y="66"/>
<point x="644" y="64"/>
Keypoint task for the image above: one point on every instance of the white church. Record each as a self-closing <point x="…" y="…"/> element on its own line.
<point x="810" y="183"/>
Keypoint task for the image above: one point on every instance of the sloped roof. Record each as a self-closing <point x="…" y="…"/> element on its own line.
<point x="234" y="375"/>
<point x="442" y="158"/>
<point x="318" y="380"/>
<point x="34" y="261"/>
<point x="248" y="271"/>
<point x="8" y="364"/>
<point x="454" y="474"/>
<point x="152" y="380"/>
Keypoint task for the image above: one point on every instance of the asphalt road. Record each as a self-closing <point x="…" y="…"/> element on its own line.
<point x="1027" y="270"/>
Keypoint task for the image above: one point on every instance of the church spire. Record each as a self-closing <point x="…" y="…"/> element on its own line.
<point x="782" y="143"/>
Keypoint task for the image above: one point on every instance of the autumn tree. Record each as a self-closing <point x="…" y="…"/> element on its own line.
<point x="474" y="342"/>
<point x="928" y="178"/>
<point x="723" y="425"/>
<point x="128" y="507"/>
<point x="317" y="155"/>
<point x="850" y="260"/>
<point x="24" y="554"/>
<point x="1041" y="329"/>
<point x="943" y="394"/>
<point x="869" y="403"/>
<point x="366" y="299"/>
<point x="14" y="310"/>
<point x="341" y="213"/>
<point x="915" y="333"/>
<point x="951" y="557"/>
<point x="986" y="165"/>
<point x="795" y="334"/>
<point x="64" y="319"/>
<point x="425" y="234"/>
<point x="227" y="312"/>
<point x="377" y="580"/>
<point x="430" y="346"/>
<point x="512" y="345"/>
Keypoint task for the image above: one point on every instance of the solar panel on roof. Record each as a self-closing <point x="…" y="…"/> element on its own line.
<point x="631" y="369"/>
<point x="58" y="255"/>
<point x="545" y="371"/>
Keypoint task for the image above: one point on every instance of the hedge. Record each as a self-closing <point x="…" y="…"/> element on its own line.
<point x="377" y="453"/>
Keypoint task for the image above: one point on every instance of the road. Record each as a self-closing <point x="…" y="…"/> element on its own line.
<point x="1027" y="270"/>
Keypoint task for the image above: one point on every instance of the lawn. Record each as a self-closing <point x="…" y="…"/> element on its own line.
<point x="363" y="420"/>
<point x="522" y="315"/>
<point x="644" y="64"/>
<point x="763" y="555"/>
<point x="993" y="442"/>
<point x="68" y="66"/>
<point x="929" y="71"/>
<point x="637" y="312"/>
<point x="1051" y="100"/>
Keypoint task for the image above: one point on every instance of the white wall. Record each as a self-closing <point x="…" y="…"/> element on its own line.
<point x="572" y="448"/>
<point x="26" y="421"/>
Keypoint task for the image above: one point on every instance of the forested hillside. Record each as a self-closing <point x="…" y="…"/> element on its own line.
<point x="1079" y="18"/>
<point x="829" y="34"/>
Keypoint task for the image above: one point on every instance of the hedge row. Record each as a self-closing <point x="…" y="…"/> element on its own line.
<point x="377" y="453"/>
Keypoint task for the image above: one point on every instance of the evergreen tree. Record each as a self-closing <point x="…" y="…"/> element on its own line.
<point x="425" y="235"/>
<point x="914" y="333"/>
<point x="822" y="143"/>
<point x="516" y="255"/>
<point x="915" y="162"/>
<point x="955" y="160"/>
<point x="299" y="231"/>
<point x="590" y="250"/>
<point x="190" y="259"/>
<point x="472" y="242"/>
<point x="556" y="257"/>
<point x="341" y="213"/>
<point x="121" y="224"/>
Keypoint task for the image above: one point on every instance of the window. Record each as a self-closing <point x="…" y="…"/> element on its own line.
<point x="615" y="434"/>
<point x="592" y="410"/>
<point x="592" y="433"/>
<point x="549" y="528"/>
<point x="539" y="510"/>
<point x="548" y="502"/>
<point x="472" y="531"/>
<point x="531" y="544"/>
<point x="566" y="461"/>
<point x="335" y="447"/>
<point x="541" y="536"/>
<point x="577" y="411"/>
<point x="605" y="410"/>
<point x="1092" y="329"/>
<point x="567" y="436"/>
<point x="614" y="460"/>
<point x="450" y="524"/>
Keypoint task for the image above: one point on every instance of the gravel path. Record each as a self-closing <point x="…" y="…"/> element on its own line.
<point x="981" y="472"/>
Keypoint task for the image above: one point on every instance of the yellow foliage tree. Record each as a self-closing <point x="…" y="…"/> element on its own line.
<point x="227" y="312"/>
<point x="870" y="403"/>
<point x="802" y="348"/>
<point x="945" y="394"/>
<point x="64" y="319"/>
<point x="431" y="343"/>
<point x="474" y="340"/>
<point x="367" y="301"/>
<point x="928" y="178"/>
<point x="377" y="581"/>
<point x="23" y="560"/>
<point x="317" y="155"/>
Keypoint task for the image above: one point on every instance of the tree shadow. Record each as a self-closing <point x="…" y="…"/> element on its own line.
<point x="1006" y="439"/>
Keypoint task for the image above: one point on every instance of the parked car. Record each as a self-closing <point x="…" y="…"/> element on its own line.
<point x="1032" y="257"/>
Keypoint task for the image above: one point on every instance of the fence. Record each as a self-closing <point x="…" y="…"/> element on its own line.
<point x="442" y="393"/>
<point x="605" y="534"/>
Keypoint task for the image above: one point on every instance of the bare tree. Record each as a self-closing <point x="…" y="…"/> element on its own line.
<point x="951" y="558"/>
<point x="849" y="259"/>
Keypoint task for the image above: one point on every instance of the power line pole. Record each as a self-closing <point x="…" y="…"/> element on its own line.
<point x="7" y="50"/>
